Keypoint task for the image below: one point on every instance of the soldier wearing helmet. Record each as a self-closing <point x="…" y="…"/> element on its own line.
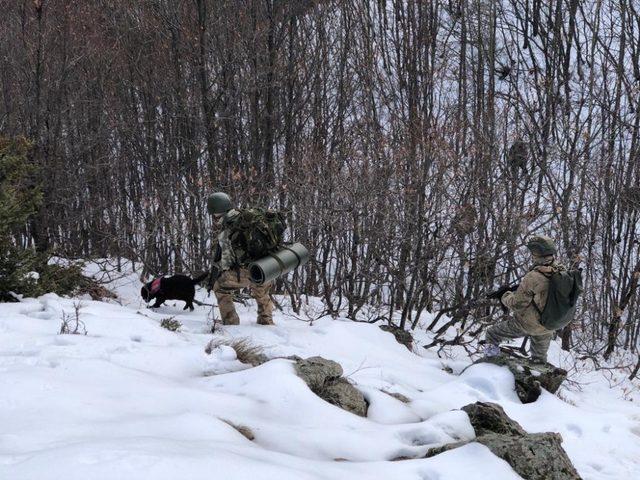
<point x="527" y="303"/>
<point x="228" y="275"/>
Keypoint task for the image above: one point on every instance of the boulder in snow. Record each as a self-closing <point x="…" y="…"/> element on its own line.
<point x="402" y="336"/>
<point x="490" y="418"/>
<point x="534" y="456"/>
<point x="530" y="377"/>
<point x="324" y="378"/>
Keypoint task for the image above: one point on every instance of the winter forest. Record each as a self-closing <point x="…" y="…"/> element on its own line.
<point x="413" y="145"/>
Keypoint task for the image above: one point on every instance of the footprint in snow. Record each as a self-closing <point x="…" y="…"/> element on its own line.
<point x="596" y="466"/>
<point x="484" y="386"/>
<point x="418" y="438"/>
<point x="575" y="429"/>
<point x="429" y="475"/>
<point x="120" y="349"/>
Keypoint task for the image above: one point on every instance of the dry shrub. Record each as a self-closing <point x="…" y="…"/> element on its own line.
<point x="246" y="351"/>
<point x="245" y="431"/>
<point x="171" y="324"/>
<point x="397" y="396"/>
<point x="71" y="323"/>
<point x="96" y="291"/>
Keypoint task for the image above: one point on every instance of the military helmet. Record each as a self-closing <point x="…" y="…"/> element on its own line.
<point x="541" y="245"/>
<point x="218" y="203"/>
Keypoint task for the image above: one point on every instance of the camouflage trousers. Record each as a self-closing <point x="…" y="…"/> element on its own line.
<point x="231" y="281"/>
<point x="514" y="328"/>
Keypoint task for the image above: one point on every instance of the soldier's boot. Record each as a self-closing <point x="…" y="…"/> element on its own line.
<point x="230" y="319"/>
<point x="225" y="305"/>
<point x="539" y="347"/>
<point x="491" y="350"/>
<point x="265" y="306"/>
<point x="501" y="331"/>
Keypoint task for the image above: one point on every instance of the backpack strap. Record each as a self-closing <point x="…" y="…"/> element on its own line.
<point x="547" y="271"/>
<point x="535" y="305"/>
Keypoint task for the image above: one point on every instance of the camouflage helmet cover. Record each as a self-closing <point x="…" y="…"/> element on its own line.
<point x="541" y="245"/>
<point x="218" y="203"/>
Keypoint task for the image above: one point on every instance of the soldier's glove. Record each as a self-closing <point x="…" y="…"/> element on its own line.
<point x="213" y="278"/>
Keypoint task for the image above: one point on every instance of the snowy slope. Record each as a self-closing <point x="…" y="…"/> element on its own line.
<point x="131" y="400"/>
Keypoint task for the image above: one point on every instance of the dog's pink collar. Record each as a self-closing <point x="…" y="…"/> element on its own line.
<point x="155" y="286"/>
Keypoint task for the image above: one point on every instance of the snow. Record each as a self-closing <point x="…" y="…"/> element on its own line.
<point x="33" y="276"/>
<point x="132" y="400"/>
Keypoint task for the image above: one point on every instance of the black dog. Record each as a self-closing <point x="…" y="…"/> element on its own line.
<point x="178" y="287"/>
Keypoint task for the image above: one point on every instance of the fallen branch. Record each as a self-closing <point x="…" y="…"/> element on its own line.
<point x="202" y="304"/>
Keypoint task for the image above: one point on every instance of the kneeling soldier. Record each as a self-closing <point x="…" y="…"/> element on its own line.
<point x="527" y="303"/>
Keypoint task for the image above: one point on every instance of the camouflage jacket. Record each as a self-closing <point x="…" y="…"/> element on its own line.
<point x="227" y="258"/>
<point x="528" y="301"/>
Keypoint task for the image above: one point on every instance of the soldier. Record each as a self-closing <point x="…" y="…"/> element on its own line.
<point x="228" y="273"/>
<point x="527" y="303"/>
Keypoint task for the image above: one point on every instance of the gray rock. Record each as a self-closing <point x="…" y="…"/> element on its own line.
<point x="530" y="377"/>
<point x="432" y="452"/>
<point x="317" y="371"/>
<point x="324" y="378"/>
<point x="401" y="335"/>
<point x="533" y="456"/>
<point x="344" y="395"/>
<point x="491" y="418"/>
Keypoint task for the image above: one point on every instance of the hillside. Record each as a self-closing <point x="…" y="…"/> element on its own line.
<point x="132" y="400"/>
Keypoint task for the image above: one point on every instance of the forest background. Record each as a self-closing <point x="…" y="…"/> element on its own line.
<point x="414" y="145"/>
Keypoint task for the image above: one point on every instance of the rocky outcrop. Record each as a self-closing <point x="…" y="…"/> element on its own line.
<point x="324" y="378"/>
<point x="533" y="456"/>
<point x="530" y="377"/>
<point x="402" y="336"/>
<point x="490" y="418"/>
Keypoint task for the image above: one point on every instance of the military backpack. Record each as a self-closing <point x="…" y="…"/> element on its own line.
<point x="565" y="286"/>
<point x="255" y="233"/>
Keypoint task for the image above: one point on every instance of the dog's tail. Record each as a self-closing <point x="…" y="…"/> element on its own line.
<point x="200" y="278"/>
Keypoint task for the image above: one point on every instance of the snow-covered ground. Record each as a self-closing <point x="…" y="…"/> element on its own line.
<point x="131" y="400"/>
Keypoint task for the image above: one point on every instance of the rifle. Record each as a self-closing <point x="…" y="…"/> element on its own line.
<point x="497" y="294"/>
<point x="464" y="308"/>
